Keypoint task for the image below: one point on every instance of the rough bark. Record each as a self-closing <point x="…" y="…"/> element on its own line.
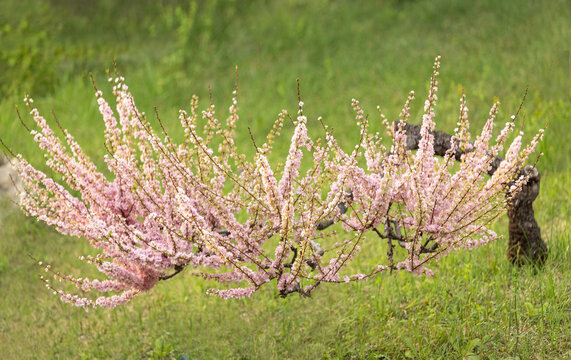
<point x="525" y="242"/>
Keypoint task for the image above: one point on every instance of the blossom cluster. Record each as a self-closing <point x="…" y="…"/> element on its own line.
<point x="237" y="220"/>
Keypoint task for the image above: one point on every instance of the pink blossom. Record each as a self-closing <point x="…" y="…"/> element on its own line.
<point x="168" y="206"/>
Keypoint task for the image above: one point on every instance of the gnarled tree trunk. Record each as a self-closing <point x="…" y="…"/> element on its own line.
<point x="525" y="244"/>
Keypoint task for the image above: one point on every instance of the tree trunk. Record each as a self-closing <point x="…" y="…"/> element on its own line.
<point x="525" y="244"/>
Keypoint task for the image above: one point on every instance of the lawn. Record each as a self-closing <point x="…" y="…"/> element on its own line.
<point x="477" y="306"/>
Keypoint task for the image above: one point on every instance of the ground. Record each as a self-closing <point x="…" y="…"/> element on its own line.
<point x="476" y="307"/>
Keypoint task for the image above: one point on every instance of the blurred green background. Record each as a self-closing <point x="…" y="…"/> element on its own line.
<point x="476" y="307"/>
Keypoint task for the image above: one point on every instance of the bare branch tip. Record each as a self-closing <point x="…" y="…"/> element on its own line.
<point x="115" y="69"/>
<point x="21" y="120"/>
<point x="93" y="81"/>
<point x="6" y="149"/>
<point x="253" y="141"/>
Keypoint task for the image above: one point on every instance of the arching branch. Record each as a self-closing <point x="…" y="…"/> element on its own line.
<point x="525" y="242"/>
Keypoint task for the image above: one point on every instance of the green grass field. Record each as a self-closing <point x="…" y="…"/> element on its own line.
<point x="476" y="306"/>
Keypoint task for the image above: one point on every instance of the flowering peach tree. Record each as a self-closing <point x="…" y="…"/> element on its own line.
<point x="237" y="220"/>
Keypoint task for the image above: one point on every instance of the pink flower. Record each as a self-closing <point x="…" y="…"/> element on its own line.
<point x="167" y="206"/>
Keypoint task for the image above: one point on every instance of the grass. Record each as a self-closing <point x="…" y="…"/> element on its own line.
<point x="476" y="307"/>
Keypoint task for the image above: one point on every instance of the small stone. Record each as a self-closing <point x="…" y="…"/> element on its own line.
<point x="8" y="177"/>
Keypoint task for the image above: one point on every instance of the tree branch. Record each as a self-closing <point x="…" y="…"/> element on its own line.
<point x="525" y="242"/>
